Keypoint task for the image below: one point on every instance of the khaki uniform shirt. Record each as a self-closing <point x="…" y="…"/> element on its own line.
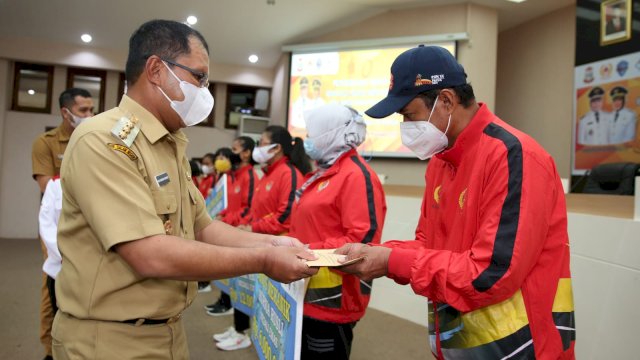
<point x="47" y="152"/>
<point x="113" y="196"/>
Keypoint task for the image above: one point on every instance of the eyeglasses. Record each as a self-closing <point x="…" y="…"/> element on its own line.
<point x="202" y="78"/>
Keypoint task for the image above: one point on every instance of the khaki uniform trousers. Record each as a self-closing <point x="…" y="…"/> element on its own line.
<point x="105" y="340"/>
<point x="46" y="310"/>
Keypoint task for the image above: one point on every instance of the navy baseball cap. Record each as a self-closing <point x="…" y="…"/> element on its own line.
<point x="415" y="71"/>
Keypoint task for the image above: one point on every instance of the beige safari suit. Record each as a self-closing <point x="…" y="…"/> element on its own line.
<point x="46" y="158"/>
<point x="110" y="197"/>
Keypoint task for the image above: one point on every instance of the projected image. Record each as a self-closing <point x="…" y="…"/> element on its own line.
<point x="357" y="78"/>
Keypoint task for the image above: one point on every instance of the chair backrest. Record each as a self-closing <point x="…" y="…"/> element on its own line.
<point x="613" y="179"/>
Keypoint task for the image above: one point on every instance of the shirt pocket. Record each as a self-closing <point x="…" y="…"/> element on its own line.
<point x="165" y="202"/>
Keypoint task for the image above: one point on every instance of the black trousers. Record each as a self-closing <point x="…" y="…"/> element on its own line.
<point x="51" y="286"/>
<point x="225" y="299"/>
<point x="326" y="340"/>
<point x="241" y="321"/>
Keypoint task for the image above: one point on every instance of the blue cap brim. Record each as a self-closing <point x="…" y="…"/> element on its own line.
<point x="389" y="105"/>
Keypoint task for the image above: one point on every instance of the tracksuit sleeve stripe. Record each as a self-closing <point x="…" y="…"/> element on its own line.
<point x="251" y="180"/>
<point x="292" y="195"/>
<point x="373" y="222"/>
<point x="510" y="214"/>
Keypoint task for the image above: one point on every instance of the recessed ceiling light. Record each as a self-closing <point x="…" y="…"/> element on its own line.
<point x="517" y="1"/>
<point x="86" y="38"/>
<point x="31" y="92"/>
<point x="253" y="58"/>
<point x="192" y="20"/>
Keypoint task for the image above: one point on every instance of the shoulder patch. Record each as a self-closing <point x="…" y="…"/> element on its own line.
<point x="123" y="149"/>
<point x="126" y="129"/>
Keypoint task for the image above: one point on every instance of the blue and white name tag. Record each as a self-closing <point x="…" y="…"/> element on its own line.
<point x="162" y="179"/>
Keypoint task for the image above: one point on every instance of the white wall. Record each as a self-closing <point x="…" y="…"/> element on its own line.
<point x="19" y="193"/>
<point x="535" y="81"/>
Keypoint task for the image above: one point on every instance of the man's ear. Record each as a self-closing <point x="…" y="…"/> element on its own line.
<point x="153" y="70"/>
<point x="449" y="99"/>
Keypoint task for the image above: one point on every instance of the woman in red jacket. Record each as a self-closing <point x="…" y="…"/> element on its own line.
<point x="284" y="161"/>
<point x="239" y="197"/>
<point x="342" y="202"/>
<point x="243" y="184"/>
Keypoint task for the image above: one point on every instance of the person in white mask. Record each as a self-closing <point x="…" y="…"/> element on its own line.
<point x="76" y="106"/>
<point x="47" y="153"/>
<point x="341" y="202"/>
<point x="491" y="239"/>
<point x="134" y="233"/>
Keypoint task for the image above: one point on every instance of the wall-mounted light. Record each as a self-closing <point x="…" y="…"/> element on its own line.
<point x="86" y="38"/>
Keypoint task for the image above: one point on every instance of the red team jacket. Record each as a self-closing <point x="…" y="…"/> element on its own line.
<point x="207" y="182"/>
<point x="492" y="250"/>
<point x="346" y="204"/>
<point x="273" y="199"/>
<point x="240" y="195"/>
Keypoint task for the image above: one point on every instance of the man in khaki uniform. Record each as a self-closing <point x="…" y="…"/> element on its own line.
<point x="131" y="213"/>
<point x="76" y="105"/>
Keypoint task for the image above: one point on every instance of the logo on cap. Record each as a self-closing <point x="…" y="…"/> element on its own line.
<point x="420" y="81"/>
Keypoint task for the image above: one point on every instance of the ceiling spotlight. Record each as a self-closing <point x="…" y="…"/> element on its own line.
<point x="86" y="38"/>
<point x="517" y="1"/>
<point x="31" y="92"/>
<point x="253" y="58"/>
<point x="192" y="20"/>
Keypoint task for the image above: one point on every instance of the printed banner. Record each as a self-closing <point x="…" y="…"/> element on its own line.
<point x="607" y="104"/>
<point x="224" y="285"/>
<point x="276" y="324"/>
<point x="217" y="199"/>
<point x="241" y="293"/>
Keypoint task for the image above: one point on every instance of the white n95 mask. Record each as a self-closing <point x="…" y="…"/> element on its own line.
<point x="197" y="103"/>
<point x="424" y="138"/>
<point x="76" y="120"/>
<point x="261" y="154"/>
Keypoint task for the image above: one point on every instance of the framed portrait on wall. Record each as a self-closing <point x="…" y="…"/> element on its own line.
<point x="615" y="21"/>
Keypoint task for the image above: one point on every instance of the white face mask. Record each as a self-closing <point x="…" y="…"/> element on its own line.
<point x="206" y="169"/>
<point x="197" y="103"/>
<point x="424" y="138"/>
<point x="261" y="154"/>
<point x="76" y="120"/>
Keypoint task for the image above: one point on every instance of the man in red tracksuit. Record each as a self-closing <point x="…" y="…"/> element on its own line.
<point x="342" y="202"/>
<point x="491" y="250"/>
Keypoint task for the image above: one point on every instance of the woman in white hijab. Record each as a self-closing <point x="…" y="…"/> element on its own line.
<point x="341" y="202"/>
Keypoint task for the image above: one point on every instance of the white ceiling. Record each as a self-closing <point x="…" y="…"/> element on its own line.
<point x="234" y="29"/>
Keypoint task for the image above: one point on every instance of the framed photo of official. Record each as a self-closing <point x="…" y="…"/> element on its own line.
<point x="615" y="21"/>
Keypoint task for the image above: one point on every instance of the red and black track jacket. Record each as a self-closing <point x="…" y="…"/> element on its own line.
<point x="206" y="183"/>
<point x="492" y="250"/>
<point x="273" y="199"/>
<point x="345" y="204"/>
<point x="240" y="195"/>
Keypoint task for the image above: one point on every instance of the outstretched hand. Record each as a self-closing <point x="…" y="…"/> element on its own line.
<point x="374" y="264"/>
<point x="286" y="241"/>
<point x="288" y="264"/>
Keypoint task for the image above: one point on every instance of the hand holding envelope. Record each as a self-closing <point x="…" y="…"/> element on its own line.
<point x="328" y="257"/>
